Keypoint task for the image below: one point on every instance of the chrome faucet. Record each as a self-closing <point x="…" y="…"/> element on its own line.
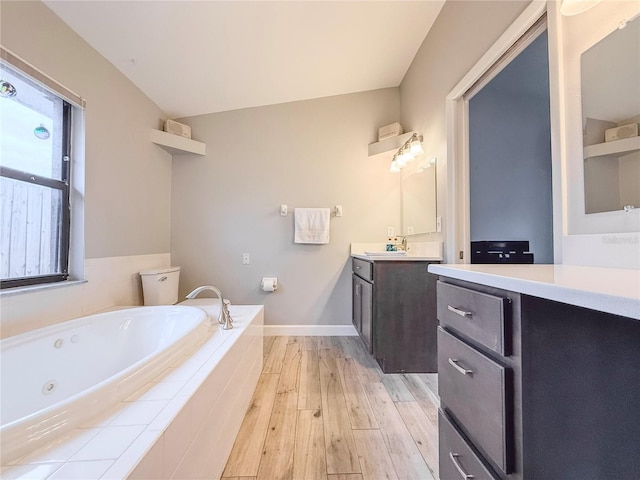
<point x="403" y="244"/>
<point x="224" y="317"/>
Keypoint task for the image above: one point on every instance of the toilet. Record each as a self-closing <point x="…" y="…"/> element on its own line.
<point x="160" y="286"/>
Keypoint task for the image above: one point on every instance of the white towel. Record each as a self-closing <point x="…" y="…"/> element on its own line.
<point x="312" y="225"/>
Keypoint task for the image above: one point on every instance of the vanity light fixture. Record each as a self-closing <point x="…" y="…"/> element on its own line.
<point x="574" y="7"/>
<point x="404" y="157"/>
<point x="407" y="153"/>
<point x="416" y="145"/>
<point x="394" y="165"/>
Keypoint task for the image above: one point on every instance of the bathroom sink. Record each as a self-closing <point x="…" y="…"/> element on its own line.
<point x="400" y="253"/>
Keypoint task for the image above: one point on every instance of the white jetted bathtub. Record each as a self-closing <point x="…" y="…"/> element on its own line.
<point x="111" y="391"/>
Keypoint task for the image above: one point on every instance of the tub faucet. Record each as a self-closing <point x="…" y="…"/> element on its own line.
<point x="224" y="317"/>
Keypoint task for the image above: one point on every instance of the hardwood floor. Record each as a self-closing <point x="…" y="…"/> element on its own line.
<point x="323" y="410"/>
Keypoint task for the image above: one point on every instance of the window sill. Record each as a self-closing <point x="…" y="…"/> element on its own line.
<point x="8" y="292"/>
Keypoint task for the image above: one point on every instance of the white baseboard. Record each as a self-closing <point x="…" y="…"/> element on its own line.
<point x="310" y="330"/>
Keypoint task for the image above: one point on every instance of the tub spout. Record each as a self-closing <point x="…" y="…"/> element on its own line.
<point x="224" y="317"/>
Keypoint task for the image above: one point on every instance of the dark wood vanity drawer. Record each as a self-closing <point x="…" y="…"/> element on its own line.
<point x="363" y="269"/>
<point x="475" y="390"/>
<point x="457" y="458"/>
<point x="479" y="316"/>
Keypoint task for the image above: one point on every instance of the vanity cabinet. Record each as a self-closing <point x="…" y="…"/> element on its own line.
<point x="535" y="389"/>
<point x="394" y="311"/>
<point x="362" y="309"/>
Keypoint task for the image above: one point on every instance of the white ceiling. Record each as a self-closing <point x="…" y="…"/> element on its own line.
<point x="196" y="57"/>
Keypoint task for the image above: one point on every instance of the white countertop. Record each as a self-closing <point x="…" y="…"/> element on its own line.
<point x="610" y="290"/>
<point x="396" y="258"/>
<point x="416" y="252"/>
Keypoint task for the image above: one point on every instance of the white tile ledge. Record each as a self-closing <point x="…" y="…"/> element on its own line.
<point x="609" y="290"/>
<point x="8" y="292"/>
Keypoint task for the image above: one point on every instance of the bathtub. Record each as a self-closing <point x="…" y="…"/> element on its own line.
<point x="61" y="376"/>
<point x="180" y="424"/>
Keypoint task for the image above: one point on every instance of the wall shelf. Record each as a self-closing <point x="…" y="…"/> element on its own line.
<point x="388" y="146"/>
<point x="177" y="145"/>
<point x="612" y="148"/>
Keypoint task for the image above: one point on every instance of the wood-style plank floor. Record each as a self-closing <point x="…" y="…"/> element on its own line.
<point x="324" y="410"/>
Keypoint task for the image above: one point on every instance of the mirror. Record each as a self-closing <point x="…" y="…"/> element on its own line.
<point x="419" y="197"/>
<point x="610" y="77"/>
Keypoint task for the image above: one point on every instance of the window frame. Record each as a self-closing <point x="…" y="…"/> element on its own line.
<point x="63" y="247"/>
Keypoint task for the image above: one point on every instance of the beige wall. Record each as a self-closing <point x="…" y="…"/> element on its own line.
<point x="313" y="153"/>
<point x="128" y="179"/>
<point x="462" y="33"/>
<point x="304" y="154"/>
<point x="310" y="153"/>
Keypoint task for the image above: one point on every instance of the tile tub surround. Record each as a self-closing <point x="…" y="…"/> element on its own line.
<point x="181" y="425"/>
<point x="110" y="282"/>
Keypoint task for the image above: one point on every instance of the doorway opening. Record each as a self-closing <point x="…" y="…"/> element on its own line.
<point x="501" y="201"/>
<point x="509" y="138"/>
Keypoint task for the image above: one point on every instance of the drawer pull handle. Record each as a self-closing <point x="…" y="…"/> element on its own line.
<point x="454" y="459"/>
<point x="457" y="311"/>
<point x="454" y="363"/>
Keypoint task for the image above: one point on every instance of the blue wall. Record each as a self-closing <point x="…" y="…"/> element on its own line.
<point x="510" y="155"/>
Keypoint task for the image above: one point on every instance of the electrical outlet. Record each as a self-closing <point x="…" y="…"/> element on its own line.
<point x="390" y="232"/>
<point x="461" y="255"/>
<point x="438" y="224"/>
<point x="410" y="230"/>
<point x="246" y="259"/>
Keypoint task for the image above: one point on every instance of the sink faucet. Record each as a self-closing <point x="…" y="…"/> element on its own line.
<point x="224" y="317"/>
<point x="403" y="244"/>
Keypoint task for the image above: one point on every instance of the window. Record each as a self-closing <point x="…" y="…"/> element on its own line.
<point x="35" y="142"/>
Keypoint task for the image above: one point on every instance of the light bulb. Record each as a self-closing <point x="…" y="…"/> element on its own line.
<point x="416" y="147"/>
<point x="400" y="160"/>
<point x="394" y="167"/>
<point x="408" y="154"/>
<point x="404" y="156"/>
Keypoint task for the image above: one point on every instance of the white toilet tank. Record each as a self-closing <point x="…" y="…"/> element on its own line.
<point x="160" y="286"/>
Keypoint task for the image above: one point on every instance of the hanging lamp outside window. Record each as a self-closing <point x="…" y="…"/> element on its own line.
<point x="7" y="90"/>
<point x="41" y="132"/>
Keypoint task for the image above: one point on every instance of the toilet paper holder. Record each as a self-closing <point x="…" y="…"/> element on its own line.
<point x="269" y="284"/>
